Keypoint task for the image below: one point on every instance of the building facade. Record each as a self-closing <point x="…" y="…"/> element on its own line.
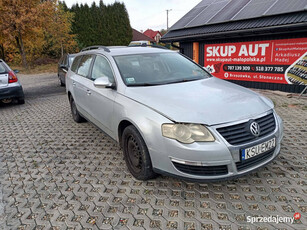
<point x="258" y="44"/>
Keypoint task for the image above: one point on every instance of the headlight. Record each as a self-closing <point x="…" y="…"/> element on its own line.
<point x="187" y="133"/>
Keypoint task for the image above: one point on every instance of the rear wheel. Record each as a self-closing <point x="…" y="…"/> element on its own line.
<point x="74" y="111"/>
<point x="136" y="154"/>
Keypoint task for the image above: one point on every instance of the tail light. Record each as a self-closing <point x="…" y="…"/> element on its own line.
<point x="12" y="77"/>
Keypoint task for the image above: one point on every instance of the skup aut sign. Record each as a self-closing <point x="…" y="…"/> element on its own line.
<point x="276" y="61"/>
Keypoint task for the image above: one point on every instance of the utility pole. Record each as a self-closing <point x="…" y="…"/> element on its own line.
<point x="167" y="17"/>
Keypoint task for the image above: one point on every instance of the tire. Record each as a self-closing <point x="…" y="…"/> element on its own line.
<point x="74" y="111"/>
<point x="7" y="100"/>
<point x="20" y="101"/>
<point x="136" y="154"/>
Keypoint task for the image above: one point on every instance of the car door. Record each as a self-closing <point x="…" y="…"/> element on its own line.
<point x="101" y="103"/>
<point x="81" y="82"/>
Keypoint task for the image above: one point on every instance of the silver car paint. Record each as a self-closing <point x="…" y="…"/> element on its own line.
<point x="210" y="101"/>
<point x="4" y="80"/>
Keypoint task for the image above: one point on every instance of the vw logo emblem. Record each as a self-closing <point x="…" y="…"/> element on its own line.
<point x="255" y="129"/>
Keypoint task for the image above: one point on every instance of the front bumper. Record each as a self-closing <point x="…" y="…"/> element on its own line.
<point x="214" y="161"/>
<point x="11" y="92"/>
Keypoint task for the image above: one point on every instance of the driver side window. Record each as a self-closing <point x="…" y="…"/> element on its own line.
<point x="102" y="68"/>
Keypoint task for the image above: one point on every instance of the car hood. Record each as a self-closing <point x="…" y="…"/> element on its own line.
<point x="210" y="101"/>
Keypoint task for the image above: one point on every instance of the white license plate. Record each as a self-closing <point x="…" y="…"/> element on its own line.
<point x="258" y="149"/>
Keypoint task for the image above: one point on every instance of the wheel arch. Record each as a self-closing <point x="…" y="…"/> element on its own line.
<point x="69" y="95"/>
<point x="121" y="127"/>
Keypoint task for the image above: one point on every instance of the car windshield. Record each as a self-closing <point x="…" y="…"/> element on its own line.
<point x="158" y="69"/>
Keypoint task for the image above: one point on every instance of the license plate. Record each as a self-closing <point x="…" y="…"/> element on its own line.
<point x="258" y="149"/>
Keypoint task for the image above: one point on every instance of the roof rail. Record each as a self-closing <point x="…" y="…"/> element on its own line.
<point x="148" y="45"/>
<point x="96" y="47"/>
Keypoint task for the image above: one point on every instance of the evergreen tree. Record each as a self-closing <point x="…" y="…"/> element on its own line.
<point x="101" y="25"/>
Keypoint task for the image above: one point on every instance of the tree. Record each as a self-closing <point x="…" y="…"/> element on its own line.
<point x="36" y="27"/>
<point x="101" y="25"/>
<point x="22" y="19"/>
<point x="57" y="31"/>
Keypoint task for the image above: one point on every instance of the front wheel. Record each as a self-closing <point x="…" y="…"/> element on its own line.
<point x="74" y="111"/>
<point x="136" y="154"/>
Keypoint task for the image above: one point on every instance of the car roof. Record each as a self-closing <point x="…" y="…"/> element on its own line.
<point x="125" y="50"/>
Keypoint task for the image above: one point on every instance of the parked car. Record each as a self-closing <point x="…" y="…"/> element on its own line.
<point x="140" y="43"/>
<point x="171" y="116"/>
<point x="10" y="87"/>
<point x="63" y="66"/>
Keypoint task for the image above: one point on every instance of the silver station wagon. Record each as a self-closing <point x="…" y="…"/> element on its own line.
<point x="170" y="116"/>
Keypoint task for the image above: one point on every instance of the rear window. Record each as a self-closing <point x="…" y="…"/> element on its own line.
<point x="2" y="68"/>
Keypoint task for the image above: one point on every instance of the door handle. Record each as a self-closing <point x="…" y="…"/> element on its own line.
<point x="88" y="92"/>
<point x="73" y="83"/>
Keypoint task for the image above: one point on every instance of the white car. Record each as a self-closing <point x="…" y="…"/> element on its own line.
<point x="171" y="116"/>
<point x="10" y="87"/>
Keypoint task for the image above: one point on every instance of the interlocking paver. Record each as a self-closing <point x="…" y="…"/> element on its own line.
<point x="57" y="174"/>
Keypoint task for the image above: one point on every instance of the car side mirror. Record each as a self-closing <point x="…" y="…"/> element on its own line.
<point x="63" y="67"/>
<point x="103" y="82"/>
<point x="16" y="71"/>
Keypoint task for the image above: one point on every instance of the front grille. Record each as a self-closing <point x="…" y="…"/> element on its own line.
<point x="240" y="133"/>
<point x="202" y="170"/>
<point x="254" y="160"/>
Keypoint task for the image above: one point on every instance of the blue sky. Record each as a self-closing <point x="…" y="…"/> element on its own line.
<point x="150" y="14"/>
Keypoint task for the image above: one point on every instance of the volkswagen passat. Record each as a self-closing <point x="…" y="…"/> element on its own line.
<point x="170" y="116"/>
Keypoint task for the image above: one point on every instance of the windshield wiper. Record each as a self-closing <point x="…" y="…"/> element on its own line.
<point x="145" y="84"/>
<point x="164" y="83"/>
<point x="183" y="80"/>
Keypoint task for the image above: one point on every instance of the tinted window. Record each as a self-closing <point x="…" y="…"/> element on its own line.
<point x="70" y="60"/>
<point x="101" y="68"/>
<point x="84" y="65"/>
<point x="65" y="60"/>
<point x="61" y="60"/>
<point x="75" y="64"/>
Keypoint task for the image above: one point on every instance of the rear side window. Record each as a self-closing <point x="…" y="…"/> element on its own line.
<point x="61" y="60"/>
<point x="65" y="61"/>
<point x="2" y="68"/>
<point x="70" y="60"/>
<point x="85" y="65"/>
<point x="75" y="64"/>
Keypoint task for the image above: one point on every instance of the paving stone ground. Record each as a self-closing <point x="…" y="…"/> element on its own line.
<point x="57" y="174"/>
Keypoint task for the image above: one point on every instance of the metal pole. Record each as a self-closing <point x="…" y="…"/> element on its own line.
<point x="167" y="17"/>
